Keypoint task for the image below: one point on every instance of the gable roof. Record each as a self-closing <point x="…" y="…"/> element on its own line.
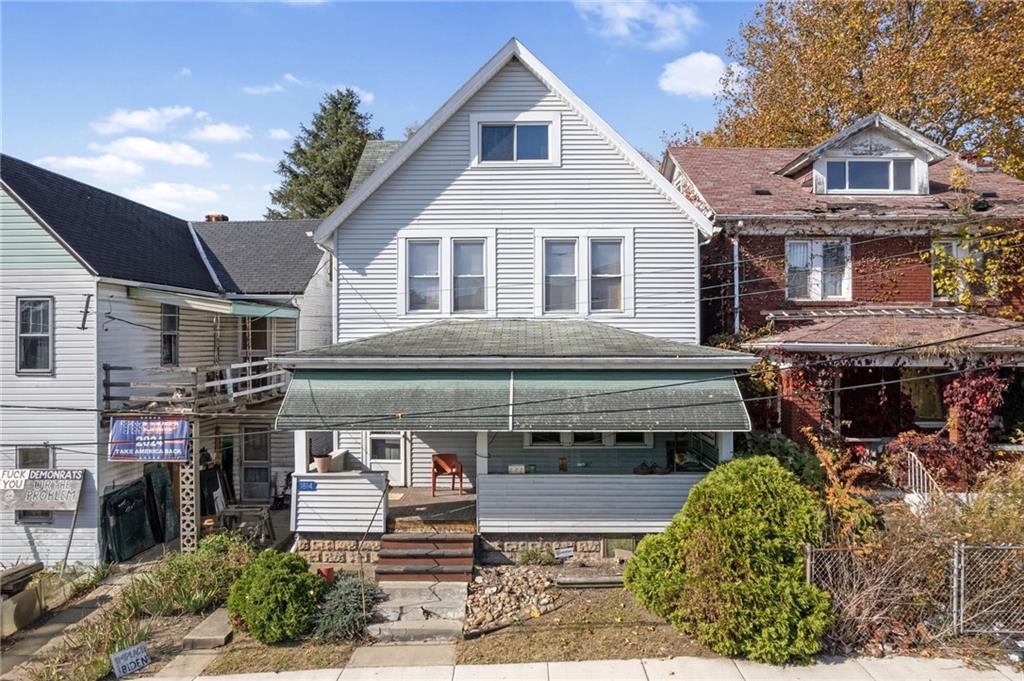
<point x="727" y="177"/>
<point x="515" y="339"/>
<point x="114" y="236"/>
<point x="261" y="257"/>
<point x="513" y="49"/>
<point x="932" y="152"/>
<point x="375" y="153"/>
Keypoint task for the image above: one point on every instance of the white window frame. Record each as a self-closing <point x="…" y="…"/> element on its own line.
<point x="164" y="307"/>
<point x="891" y="160"/>
<point x="244" y="352"/>
<point x="36" y="517"/>
<point x="446" y="272"/>
<point x="607" y="441"/>
<point x="815" y="288"/>
<point x="583" y="239"/>
<point x="382" y="435"/>
<point x="51" y="335"/>
<point x="552" y="118"/>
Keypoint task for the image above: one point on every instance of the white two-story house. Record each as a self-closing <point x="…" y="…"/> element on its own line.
<point x="110" y="309"/>
<point x="518" y="287"/>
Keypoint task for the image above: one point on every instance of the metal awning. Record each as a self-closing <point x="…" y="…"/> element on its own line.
<point x="237" y="308"/>
<point x="505" y="400"/>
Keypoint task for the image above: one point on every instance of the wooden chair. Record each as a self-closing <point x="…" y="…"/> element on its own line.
<point x="445" y="464"/>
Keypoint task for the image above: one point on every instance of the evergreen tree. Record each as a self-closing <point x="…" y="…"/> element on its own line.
<point x="318" y="168"/>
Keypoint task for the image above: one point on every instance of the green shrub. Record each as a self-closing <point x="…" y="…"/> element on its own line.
<point x="799" y="460"/>
<point x="188" y="583"/>
<point x="536" y="557"/>
<point x="728" y="570"/>
<point x="341" y="616"/>
<point x="276" y="597"/>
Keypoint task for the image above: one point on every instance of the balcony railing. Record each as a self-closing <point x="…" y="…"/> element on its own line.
<point x="192" y="389"/>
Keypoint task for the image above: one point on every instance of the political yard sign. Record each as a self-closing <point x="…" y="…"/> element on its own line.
<point x="148" y="438"/>
<point x="40" y="489"/>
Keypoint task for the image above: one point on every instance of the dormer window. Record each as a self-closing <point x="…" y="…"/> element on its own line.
<point x="869" y="175"/>
<point x="515" y="139"/>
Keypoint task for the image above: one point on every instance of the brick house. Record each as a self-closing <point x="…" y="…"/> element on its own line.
<point x="826" y="253"/>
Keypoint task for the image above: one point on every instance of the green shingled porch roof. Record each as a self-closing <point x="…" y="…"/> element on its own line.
<point x="514" y="338"/>
<point x="440" y="400"/>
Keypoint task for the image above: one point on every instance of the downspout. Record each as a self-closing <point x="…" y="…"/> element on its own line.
<point x="736" y="282"/>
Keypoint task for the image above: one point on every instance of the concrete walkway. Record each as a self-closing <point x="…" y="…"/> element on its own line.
<point x="674" y="669"/>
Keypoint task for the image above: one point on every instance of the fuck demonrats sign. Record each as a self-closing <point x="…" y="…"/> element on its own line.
<point x="148" y="438"/>
<point x="37" y="489"/>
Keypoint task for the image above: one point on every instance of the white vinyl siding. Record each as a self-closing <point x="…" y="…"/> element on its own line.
<point x="594" y="191"/>
<point x="33" y="264"/>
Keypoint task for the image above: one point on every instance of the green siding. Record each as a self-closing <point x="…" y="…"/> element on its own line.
<point x="25" y="244"/>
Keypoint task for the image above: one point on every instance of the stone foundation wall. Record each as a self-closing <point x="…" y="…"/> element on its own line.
<point x="498" y="549"/>
<point x="336" y="549"/>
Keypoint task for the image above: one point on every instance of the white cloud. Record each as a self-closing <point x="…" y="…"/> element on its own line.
<point x="696" y="75"/>
<point x="145" y="149"/>
<point x="278" y="134"/>
<point x="656" y="25"/>
<point x="253" y="157"/>
<point x="220" y="132"/>
<point x="147" y="120"/>
<point x="262" y="89"/>
<point x="172" y="196"/>
<point x="289" y="78"/>
<point x="184" y="72"/>
<point x="106" y="166"/>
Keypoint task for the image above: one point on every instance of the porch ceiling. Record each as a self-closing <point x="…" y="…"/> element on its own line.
<point x="443" y="400"/>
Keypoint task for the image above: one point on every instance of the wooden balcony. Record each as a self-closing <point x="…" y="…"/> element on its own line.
<point x="192" y="390"/>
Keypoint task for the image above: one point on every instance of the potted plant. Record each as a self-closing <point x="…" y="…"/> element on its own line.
<point x="322" y="462"/>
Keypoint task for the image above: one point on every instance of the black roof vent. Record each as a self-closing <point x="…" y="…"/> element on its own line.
<point x="761" y="191"/>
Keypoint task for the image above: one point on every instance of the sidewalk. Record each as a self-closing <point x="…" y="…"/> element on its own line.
<point x="675" y="669"/>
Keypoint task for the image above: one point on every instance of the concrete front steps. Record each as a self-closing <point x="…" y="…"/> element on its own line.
<point x="421" y="611"/>
<point x="425" y="557"/>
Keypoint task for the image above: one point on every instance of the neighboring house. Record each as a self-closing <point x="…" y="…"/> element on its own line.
<point x="108" y="307"/>
<point x="825" y="253"/>
<point x="517" y="286"/>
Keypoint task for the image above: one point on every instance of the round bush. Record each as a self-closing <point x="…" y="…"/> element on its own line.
<point x="276" y="597"/>
<point x="728" y="569"/>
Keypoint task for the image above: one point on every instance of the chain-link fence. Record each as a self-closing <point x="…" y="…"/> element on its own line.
<point x="988" y="589"/>
<point x="873" y="590"/>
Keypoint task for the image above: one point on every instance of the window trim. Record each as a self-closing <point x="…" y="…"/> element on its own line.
<point x="472" y="240"/>
<point x="50" y="370"/>
<point x="552" y="118"/>
<point x="176" y="334"/>
<point x="816" y="270"/>
<point x="409" y="243"/>
<point x="583" y="239"/>
<point x="575" y="276"/>
<point x="446" y="237"/>
<point x="608" y="441"/>
<point x="620" y="276"/>
<point x="891" y="160"/>
<point x="382" y="435"/>
<point x="47" y="519"/>
<point x="246" y="353"/>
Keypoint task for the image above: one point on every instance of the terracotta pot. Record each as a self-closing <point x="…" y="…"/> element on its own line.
<point x="323" y="463"/>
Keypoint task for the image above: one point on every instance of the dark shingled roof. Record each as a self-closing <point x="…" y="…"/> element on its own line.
<point x="375" y="153"/>
<point x="256" y="257"/>
<point x="514" y="338"/>
<point x="117" y="237"/>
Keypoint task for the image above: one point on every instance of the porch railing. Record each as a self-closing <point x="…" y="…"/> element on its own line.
<point x="918" y="481"/>
<point x="192" y="389"/>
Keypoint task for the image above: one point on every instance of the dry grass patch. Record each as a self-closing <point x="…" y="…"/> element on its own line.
<point x="594" y="624"/>
<point x="246" y="656"/>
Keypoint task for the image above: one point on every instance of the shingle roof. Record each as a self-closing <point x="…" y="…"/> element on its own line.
<point x="517" y="338"/>
<point x="375" y="153"/>
<point x="728" y="176"/>
<point x="117" y="237"/>
<point x="256" y="257"/>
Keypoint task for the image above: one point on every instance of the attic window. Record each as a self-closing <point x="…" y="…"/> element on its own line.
<point x="875" y="175"/>
<point x="761" y="191"/>
<point x="509" y="139"/>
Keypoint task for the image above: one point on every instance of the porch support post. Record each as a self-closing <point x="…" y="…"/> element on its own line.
<point x="481" y="452"/>
<point x="301" y="452"/>
<point x="724" y="441"/>
<point x="188" y="493"/>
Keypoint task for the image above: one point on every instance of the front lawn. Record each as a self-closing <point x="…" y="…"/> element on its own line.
<point x="246" y="656"/>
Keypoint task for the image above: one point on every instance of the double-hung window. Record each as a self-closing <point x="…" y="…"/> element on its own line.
<point x="34" y="457"/>
<point x="560" y="275"/>
<point x="35" y="335"/>
<point x="169" y="321"/>
<point x="874" y="175"/>
<point x="469" y="280"/>
<point x="587" y="272"/>
<point x="424" y="272"/>
<point x="818" y="269"/>
<point x="958" y="251"/>
<point x="605" y="275"/>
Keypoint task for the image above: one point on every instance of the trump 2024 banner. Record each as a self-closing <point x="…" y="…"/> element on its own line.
<point x="148" y="438"/>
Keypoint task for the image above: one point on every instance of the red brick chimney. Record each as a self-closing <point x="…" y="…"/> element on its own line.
<point x="216" y="217"/>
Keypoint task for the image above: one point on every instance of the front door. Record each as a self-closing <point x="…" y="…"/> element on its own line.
<point x="256" y="463"/>
<point x="388" y="452"/>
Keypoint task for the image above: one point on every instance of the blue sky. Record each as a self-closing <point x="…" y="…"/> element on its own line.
<point x="188" y="106"/>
